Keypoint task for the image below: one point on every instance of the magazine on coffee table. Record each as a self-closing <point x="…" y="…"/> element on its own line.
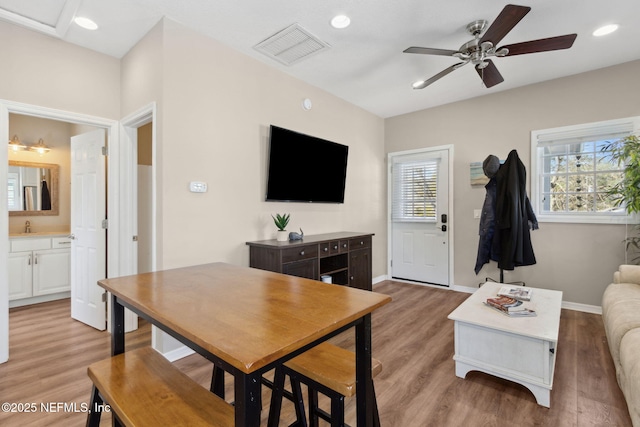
<point x="525" y="312"/>
<point x="518" y="292"/>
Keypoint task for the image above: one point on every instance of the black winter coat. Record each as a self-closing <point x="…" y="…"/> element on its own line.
<point x="514" y="215"/>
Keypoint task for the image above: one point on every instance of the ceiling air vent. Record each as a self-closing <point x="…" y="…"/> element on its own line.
<point x="291" y="45"/>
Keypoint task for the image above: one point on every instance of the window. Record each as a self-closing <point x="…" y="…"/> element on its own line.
<point x="572" y="171"/>
<point x="415" y="184"/>
<point x="13" y="192"/>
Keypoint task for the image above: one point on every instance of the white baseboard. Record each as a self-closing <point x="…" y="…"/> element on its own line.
<point x="586" y="308"/>
<point x="178" y="353"/>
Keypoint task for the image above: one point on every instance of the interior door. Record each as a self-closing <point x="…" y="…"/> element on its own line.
<point x="420" y="226"/>
<point x="88" y="245"/>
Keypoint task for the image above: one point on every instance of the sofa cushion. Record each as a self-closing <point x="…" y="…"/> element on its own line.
<point x="620" y="313"/>
<point x="630" y="380"/>
<point x="627" y="274"/>
<point x="616" y="292"/>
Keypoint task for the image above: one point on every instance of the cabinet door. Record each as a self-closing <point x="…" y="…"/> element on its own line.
<point x="19" y="275"/>
<point x="51" y="271"/>
<point x="360" y="269"/>
<point x="307" y="268"/>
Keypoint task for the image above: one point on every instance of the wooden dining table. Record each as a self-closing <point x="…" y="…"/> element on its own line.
<point x="248" y="321"/>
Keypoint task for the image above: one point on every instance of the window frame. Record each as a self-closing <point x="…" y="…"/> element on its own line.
<point x="398" y="202"/>
<point x="593" y="129"/>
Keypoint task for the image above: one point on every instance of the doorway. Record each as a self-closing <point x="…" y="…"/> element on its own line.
<point x="119" y="197"/>
<point x="420" y="221"/>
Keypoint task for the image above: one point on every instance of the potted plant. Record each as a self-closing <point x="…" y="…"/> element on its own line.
<point x="281" y="222"/>
<point x="627" y="191"/>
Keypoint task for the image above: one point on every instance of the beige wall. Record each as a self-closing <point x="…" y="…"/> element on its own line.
<point x="41" y="70"/>
<point x="217" y="106"/>
<point x="578" y="259"/>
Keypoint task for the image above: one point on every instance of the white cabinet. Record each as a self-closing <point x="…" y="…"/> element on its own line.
<point x="39" y="267"/>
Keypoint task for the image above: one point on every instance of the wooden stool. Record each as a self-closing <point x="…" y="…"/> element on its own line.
<point x="327" y="369"/>
<point x="143" y="388"/>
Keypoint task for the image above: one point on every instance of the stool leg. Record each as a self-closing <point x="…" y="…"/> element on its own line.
<point x="276" y="398"/>
<point x="298" y="401"/>
<point x="93" y="418"/>
<point x="337" y="411"/>
<point x="313" y="406"/>
<point x="376" y="414"/>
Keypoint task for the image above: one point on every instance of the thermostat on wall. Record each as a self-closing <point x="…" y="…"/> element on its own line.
<point x="198" y="187"/>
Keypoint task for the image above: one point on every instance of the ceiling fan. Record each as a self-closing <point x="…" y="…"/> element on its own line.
<point x="483" y="46"/>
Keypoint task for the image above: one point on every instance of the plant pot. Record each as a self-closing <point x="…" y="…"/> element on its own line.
<point x="282" y="235"/>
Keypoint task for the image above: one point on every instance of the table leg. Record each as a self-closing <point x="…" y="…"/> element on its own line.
<point x="247" y="403"/>
<point x="117" y="327"/>
<point x="217" y="382"/>
<point x="364" y="395"/>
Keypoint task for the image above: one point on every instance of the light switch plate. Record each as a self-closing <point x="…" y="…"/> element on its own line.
<point x="477" y="213"/>
<point x="198" y="187"/>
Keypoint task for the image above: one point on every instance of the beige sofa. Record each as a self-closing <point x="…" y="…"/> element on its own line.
<point x="621" y="316"/>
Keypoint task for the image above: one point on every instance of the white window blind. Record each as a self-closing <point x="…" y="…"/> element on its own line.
<point x="415" y="184"/>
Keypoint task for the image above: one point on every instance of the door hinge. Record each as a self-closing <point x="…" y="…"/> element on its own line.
<point x="104" y="297"/>
<point x="391" y="263"/>
<point x="105" y="151"/>
<point x="105" y="224"/>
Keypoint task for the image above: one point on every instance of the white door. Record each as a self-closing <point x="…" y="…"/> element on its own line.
<point x="420" y="226"/>
<point x="88" y="247"/>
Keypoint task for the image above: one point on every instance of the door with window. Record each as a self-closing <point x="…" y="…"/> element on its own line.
<point x="420" y="224"/>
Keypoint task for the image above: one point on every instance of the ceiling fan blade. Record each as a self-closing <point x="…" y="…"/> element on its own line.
<point x="541" y="45"/>
<point x="506" y="20"/>
<point x="438" y="76"/>
<point x="490" y="74"/>
<point x="430" y="51"/>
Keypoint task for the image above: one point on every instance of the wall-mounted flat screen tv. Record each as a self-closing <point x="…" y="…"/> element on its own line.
<point x="304" y="168"/>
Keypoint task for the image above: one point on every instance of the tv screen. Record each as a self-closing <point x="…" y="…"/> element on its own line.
<point x="304" y="168"/>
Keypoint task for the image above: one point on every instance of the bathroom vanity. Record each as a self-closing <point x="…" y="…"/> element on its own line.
<point x="39" y="267"/>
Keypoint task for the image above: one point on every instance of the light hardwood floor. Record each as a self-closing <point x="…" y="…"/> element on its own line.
<point x="412" y="336"/>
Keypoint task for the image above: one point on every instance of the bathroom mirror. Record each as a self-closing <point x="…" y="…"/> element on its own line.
<point x="32" y="188"/>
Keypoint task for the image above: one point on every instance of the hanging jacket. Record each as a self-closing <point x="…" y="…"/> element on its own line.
<point x="487" y="226"/>
<point x="514" y="216"/>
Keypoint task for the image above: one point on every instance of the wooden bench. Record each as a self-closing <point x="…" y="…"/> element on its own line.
<point x="142" y="388"/>
<point x="327" y="369"/>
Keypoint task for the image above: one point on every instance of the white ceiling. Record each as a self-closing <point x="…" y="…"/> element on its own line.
<point x="364" y="64"/>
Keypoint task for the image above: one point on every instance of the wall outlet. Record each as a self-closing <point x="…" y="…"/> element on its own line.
<point x="477" y="213"/>
<point x="198" y="187"/>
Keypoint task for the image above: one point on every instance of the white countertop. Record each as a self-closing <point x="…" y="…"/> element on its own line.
<point x="39" y="234"/>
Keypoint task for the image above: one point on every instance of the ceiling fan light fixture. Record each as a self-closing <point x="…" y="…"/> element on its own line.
<point x="604" y="30"/>
<point x="419" y="84"/>
<point x="85" y="23"/>
<point x="340" y="21"/>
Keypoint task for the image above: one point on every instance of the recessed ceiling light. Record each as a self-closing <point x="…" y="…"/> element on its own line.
<point x="85" y="23"/>
<point x="340" y="21"/>
<point x="607" y="29"/>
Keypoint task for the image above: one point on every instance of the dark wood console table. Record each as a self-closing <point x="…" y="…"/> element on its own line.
<point x="345" y="256"/>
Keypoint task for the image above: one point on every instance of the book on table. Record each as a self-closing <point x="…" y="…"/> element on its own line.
<point x="510" y="306"/>
<point x="517" y="292"/>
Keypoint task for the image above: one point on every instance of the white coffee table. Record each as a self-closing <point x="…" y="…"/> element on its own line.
<point x="519" y="349"/>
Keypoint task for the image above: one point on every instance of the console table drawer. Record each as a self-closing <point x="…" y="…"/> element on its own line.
<point x="332" y="248"/>
<point x="299" y="253"/>
<point x="359" y="243"/>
